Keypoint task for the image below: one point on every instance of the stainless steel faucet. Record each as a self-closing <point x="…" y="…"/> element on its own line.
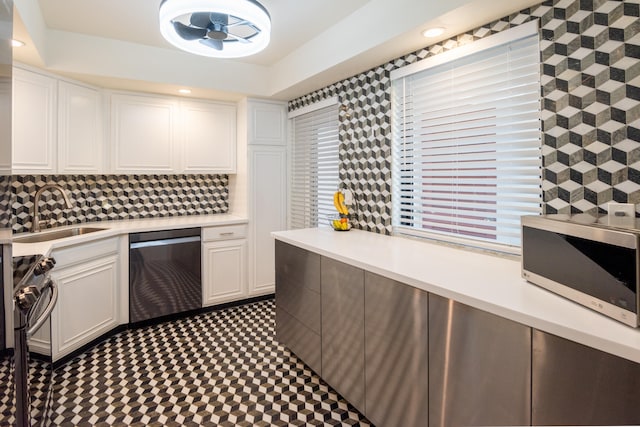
<point x="35" y="224"/>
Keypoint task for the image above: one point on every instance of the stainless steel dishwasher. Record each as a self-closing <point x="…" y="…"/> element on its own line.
<point x="164" y="273"/>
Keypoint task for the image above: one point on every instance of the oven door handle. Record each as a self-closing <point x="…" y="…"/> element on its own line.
<point x="47" y="311"/>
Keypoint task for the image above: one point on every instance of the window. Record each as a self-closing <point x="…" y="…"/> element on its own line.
<point x="466" y="142"/>
<point x="314" y="165"/>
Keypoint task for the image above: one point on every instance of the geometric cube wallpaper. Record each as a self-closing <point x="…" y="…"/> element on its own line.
<point x="590" y="110"/>
<point x="5" y="201"/>
<point x="117" y="197"/>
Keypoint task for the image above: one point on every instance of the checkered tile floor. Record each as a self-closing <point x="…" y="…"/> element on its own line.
<point x="222" y="368"/>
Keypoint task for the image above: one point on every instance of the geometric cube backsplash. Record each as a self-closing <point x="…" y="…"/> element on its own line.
<point x="590" y="109"/>
<point x="5" y="201"/>
<point x="117" y="197"/>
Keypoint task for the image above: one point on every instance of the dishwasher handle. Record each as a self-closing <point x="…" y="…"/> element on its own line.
<point x="164" y="242"/>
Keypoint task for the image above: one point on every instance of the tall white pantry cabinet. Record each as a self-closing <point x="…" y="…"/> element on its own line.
<point x="267" y="188"/>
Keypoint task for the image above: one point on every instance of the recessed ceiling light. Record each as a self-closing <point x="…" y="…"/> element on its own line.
<point x="16" y="43"/>
<point x="216" y="28"/>
<point x="433" y="32"/>
<point x="184" y="91"/>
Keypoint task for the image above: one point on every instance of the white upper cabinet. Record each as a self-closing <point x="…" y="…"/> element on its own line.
<point x="80" y="132"/>
<point x="66" y="127"/>
<point x="34" y="123"/>
<point x="153" y="134"/>
<point x="143" y="135"/>
<point x="267" y="123"/>
<point x="208" y="135"/>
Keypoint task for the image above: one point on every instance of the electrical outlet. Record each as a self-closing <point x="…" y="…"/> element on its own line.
<point x="348" y="197"/>
<point x="617" y="210"/>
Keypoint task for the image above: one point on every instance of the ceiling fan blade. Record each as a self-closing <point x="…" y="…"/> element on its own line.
<point x="200" y="19"/>
<point x="239" y="22"/>
<point x="187" y="32"/>
<point x="240" y="39"/>
<point x="216" y="44"/>
<point x="219" y="18"/>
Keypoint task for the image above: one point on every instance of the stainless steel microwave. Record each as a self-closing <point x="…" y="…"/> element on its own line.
<point x="592" y="261"/>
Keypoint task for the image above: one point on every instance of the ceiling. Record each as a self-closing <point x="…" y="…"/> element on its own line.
<point x="116" y="43"/>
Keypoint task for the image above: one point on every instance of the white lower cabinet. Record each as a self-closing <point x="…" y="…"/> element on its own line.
<point x="224" y="275"/>
<point x="87" y="279"/>
<point x="224" y="264"/>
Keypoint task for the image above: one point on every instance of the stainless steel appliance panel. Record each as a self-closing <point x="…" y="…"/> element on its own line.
<point x="305" y="343"/>
<point x="164" y="273"/>
<point x="577" y="385"/>
<point x="298" y="284"/>
<point x="479" y="367"/>
<point x="396" y="353"/>
<point x="298" y="302"/>
<point x="298" y="265"/>
<point x="342" y="288"/>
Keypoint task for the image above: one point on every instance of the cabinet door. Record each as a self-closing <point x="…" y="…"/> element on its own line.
<point x="223" y="271"/>
<point x="208" y="137"/>
<point x="342" y="290"/>
<point x="396" y="340"/>
<point x="87" y="304"/>
<point x="143" y="134"/>
<point x="577" y="385"/>
<point x="80" y="142"/>
<point x="268" y="207"/>
<point x="479" y="367"/>
<point x="298" y="302"/>
<point x="34" y="123"/>
<point x="267" y="123"/>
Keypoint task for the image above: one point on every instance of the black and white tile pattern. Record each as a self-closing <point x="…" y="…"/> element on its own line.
<point x="222" y="368"/>
<point x="5" y="201"/>
<point x="118" y="197"/>
<point x="590" y="74"/>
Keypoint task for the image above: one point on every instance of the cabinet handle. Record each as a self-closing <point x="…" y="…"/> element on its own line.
<point x="228" y="233"/>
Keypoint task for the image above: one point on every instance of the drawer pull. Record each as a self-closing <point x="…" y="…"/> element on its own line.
<point x="228" y="233"/>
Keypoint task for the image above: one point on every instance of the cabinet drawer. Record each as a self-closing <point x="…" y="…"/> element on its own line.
<point x="224" y="232"/>
<point x="84" y="252"/>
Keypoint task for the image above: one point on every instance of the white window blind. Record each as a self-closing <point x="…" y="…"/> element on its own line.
<point x="314" y="167"/>
<point x="466" y="146"/>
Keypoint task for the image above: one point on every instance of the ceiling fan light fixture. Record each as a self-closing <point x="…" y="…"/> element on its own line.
<point x="232" y="29"/>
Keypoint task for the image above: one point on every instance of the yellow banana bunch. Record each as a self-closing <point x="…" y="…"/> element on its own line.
<point x="338" y="202"/>
<point x="340" y="224"/>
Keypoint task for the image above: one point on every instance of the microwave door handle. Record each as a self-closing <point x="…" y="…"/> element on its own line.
<point x="47" y="311"/>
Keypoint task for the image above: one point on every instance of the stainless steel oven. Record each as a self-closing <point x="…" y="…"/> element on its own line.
<point x="35" y="295"/>
<point x="592" y="261"/>
<point x="164" y="273"/>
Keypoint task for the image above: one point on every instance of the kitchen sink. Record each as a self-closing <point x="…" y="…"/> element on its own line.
<point x="56" y="234"/>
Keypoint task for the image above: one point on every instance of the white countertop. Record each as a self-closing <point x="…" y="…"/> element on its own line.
<point x="487" y="282"/>
<point x="116" y="228"/>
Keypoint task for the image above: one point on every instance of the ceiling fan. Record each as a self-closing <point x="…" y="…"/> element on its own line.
<point x="216" y="28"/>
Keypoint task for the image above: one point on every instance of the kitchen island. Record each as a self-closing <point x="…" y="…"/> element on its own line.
<point x="499" y="350"/>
